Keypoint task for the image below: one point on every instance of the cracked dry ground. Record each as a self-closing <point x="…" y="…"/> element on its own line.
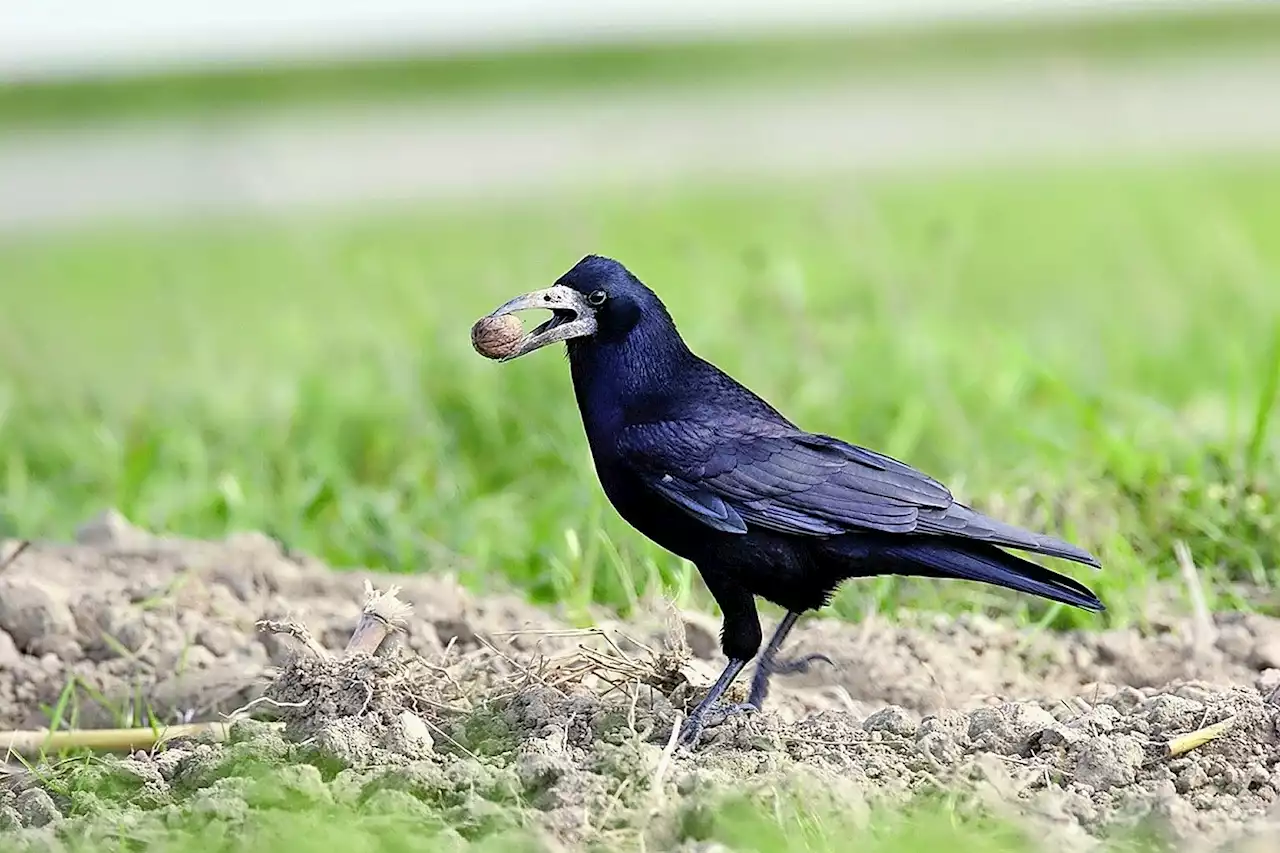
<point x="486" y="698"/>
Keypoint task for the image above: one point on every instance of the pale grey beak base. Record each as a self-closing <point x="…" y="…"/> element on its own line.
<point x="559" y="299"/>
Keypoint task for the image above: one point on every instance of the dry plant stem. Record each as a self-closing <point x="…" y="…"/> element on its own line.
<point x="656" y="790"/>
<point x="1185" y="743"/>
<point x="13" y="557"/>
<point x="105" y="740"/>
<point x="296" y="630"/>
<point x="384" y="613"/>
<point x="1204" y="634"/>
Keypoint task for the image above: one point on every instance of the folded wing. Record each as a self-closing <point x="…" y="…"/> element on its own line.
<point x="752" y="472"/>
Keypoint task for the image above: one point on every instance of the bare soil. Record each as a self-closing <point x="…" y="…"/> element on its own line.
<point x="1076" y="733"/>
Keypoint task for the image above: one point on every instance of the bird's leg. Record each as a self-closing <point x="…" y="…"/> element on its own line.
<point x="691" y="731"/>
<point x="769" y="664"/>
<point x="740" y="638"/>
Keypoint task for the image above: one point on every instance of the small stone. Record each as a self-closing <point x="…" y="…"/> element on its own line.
<point x="219" y="639"/>
<point x="1196" y="693"/>
<point x="541" y="770"/>
<point x="1236" y="641"/>
<point x="1097" y="720"/>
<point x="36" y="808"/>
<point x="111" y="528"/>
<point x="1106" y="763"/>
<point x="1060" y="736"/>
<point x="1028" y="720"/>
<point x="1125" y="699"/>
<point x="415" y="734"/>
<point x="1268" y="682"/>
<point x="1167" y="712"/>
<point x="32" y="617"/>
<point x="1266" y="653"/>
<point x="168" y="761"/>
<point x="9" y="654"/>
<point x="346" y="741"/>
<point x="893" y="719"/>
<point x="130" y="633"/>
<point x="302" y="783"/>
<point x="953" y="723"/>
<point x="1009" y="728"/>
<point x="1191" y="778"/>
<point x="497" y="337"/>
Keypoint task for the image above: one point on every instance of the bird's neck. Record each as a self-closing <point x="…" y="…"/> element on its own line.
<point x="621" y="381"/>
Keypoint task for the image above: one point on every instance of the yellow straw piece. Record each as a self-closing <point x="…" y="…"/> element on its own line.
<point x="1185" y="743"/>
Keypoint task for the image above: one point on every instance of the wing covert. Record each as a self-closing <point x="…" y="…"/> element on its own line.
<point x="755" y="472"/>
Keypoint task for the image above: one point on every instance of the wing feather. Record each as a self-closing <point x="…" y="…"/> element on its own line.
<point x="779" y="478"/>
<point x="734" y="471"/>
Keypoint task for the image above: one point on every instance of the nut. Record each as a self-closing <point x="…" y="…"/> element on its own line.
<point x="497" y="337"/>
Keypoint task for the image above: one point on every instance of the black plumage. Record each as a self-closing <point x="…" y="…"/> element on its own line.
<point x="710" y="471"/>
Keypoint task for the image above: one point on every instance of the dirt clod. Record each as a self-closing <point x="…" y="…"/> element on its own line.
<point x="36" y="808"/>
<point x="893" y="720"/>
<point x="35" y="620"/>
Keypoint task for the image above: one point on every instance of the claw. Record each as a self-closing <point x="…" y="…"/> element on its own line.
<point x="691" y="731"/>
<point x="722" y="714"/>
<point x="772" y="666"/>
<point x="796" y="665"/>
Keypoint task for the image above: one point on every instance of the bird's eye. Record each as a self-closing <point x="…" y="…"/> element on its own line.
<point x="597" y="298"/>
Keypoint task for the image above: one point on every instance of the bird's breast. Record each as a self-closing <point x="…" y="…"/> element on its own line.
<point x="648" y="513"/>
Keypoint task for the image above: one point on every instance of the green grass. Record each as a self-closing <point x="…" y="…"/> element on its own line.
<point x="254" y="805"/>
<point x="1093" y="352"/>
<point x="972" y="45"/>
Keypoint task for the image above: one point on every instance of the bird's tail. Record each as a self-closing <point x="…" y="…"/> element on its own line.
<point x="988" y="564"/>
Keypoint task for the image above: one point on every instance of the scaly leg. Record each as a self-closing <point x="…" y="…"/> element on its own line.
<point x="769" y="664"/>
<point x="691" y="731"/>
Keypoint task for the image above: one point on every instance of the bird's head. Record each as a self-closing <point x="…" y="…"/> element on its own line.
<point x="597" y="300"/>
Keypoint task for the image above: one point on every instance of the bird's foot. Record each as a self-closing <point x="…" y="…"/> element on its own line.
<point x="722" y="714"/>
<point x="773" y="666"/>
<point x="702" y="718"/>
<point x="795" y="666"/>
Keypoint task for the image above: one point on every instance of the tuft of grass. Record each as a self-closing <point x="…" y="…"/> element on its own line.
<point x="1082" y="350"/>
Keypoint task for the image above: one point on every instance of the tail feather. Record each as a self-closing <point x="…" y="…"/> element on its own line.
<point x="988" y="564"/>
<point x="960" y="520"/>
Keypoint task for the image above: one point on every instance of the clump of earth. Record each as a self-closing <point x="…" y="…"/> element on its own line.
<point x="471" y="701"/>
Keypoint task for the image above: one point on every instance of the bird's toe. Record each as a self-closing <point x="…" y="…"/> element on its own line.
<point x="691" y="733"/>
<point x="693" y="728"/>
<point x="724" y="713"/>
<point x="798" y="665"/>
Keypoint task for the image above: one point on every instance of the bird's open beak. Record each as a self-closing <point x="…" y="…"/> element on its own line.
<point x="571" y="317"/>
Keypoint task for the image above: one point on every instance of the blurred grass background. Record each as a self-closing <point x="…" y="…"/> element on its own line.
<point x="1091" y="351"/>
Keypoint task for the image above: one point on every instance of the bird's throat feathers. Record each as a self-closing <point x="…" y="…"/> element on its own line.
<point x="618" y="370"/>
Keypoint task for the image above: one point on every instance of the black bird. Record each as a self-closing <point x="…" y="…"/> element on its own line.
<point x="710" y="471"/>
